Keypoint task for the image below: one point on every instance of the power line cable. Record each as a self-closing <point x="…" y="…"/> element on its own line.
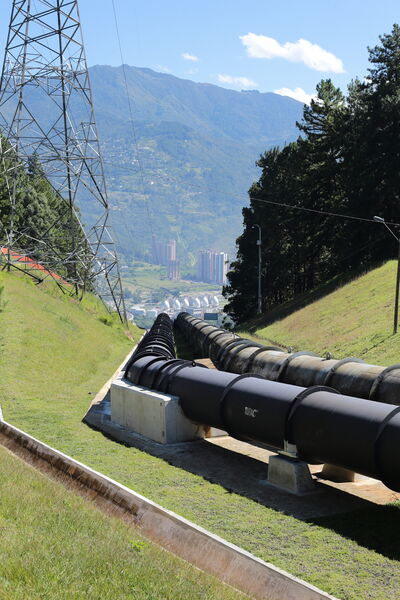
<point x="132" y="123"/>
<point x="203" y="189"/>
<point x="320" y="212"/>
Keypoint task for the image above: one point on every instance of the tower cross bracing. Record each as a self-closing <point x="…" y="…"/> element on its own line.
<point x="47" y="113"/>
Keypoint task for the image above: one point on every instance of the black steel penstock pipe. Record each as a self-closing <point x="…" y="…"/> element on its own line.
<point x="319" y="424"/>
<point x="353" y="433"/>
<point x="316" y="424"/>
<point x="350" y="376"/>
<point x="157" y="342"/>
<point x="200" y="392"/>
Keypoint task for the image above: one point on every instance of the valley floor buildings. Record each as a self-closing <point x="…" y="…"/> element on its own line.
<point x="212" y="267"/>
<point x="164" y="253"/>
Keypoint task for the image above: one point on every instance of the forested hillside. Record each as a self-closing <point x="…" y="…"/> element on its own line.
<point x="346" y="161"/>
<point x="179" y="156"/>
<point x="34" y="220"/>
<point x="184" y="168"/>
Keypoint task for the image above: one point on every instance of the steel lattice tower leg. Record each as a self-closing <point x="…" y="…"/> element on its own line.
<point x="46" y="112"/>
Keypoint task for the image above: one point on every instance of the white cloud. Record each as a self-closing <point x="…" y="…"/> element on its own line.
<point x="312" y="55"/>
<point x="242" y="82"/>
<point x="297" y="94"/>
<point x="187" y="56"/>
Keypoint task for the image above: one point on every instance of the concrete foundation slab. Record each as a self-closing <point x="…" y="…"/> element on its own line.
<point x="156" y="416"/>
<point x="291" y="475"/>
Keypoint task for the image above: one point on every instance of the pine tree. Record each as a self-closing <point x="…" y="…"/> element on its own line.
<point x="346" y="161"/>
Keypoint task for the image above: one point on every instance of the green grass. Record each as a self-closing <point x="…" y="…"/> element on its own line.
<point x="354" y="320"/>
<point x="55" y="343"/>
<point x="56" y="545"/>
<point x="46" y="375"/>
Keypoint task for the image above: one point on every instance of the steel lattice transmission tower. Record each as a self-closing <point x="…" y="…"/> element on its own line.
<point x="46" y="112"/>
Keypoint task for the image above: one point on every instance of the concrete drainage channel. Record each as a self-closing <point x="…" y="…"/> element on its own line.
<point x="198" y="546"/>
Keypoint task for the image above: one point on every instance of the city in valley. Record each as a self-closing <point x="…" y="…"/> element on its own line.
<point x="199" y="295"/>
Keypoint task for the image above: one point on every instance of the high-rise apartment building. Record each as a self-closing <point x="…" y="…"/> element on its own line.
<point x="221" y="267"/>
<point x="205" y="266"/>
<point x="173" y="270"/>
<point x="212" y="266"/>
<point x="164" y="252"/>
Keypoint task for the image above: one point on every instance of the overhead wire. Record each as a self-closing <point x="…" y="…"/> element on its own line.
<point x="320" y="212"/>
<point x="131" y="121"/>
<point x="274" y="202"/>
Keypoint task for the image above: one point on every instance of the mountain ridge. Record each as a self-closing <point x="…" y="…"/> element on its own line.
<point x="207" y="102"/>
<point x="193" y="158"/>
<point x="181" y="165"/>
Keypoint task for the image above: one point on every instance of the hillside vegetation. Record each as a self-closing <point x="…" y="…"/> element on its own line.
<point x="317" y="198"/>
<point x="55" y="355"/>
<point x="194" y="159"/>
<point x="55" y="348"/>
<point x="355" y="320"/>
<point x="197" y="145"/>
<point x="37" y="218"/>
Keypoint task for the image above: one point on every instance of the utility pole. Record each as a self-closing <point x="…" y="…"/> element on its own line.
<point x="396" y="302"/>
<point x="46" y="111"/>
<point x="259" y="297"/>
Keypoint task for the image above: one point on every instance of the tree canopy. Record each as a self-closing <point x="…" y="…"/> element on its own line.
<point x="41" y="223"/>
<point x="345" y="161"/>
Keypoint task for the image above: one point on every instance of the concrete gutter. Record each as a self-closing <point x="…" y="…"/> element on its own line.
<point x="198" y="546"/>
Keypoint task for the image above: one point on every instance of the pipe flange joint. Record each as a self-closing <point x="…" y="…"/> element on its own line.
<point x="280" y="368"/>
<point x="228" y="389"/>
<point x="142" y="369"/>
<point x="242" y="343"/>
<point x="220" y="332"/>
<point x="374" y="393"/>
<point x="377" y="463"/>
<point x="338" y="364"/>
<point x="223" y="349"/>
<point x="259" y="351"/>
<point x="288" y="436"/>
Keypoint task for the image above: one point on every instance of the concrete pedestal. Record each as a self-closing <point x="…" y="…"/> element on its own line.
<point x="152" y="414"/>
<point x="291" y="475"/>
<point x="337" y="474"/>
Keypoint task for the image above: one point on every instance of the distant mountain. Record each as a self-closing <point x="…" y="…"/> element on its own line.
<point x="198" y="144"/>
<point x="183" y="170"/>
<point x="247" y="116"/>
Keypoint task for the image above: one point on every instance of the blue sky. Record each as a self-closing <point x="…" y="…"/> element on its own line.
<point x="267" y="45"/>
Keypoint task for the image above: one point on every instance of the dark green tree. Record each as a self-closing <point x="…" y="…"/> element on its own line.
<point x="42" y="223"/>
<point x="347" y="160"/>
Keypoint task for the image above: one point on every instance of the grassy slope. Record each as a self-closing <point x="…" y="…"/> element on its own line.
<point x="54" y="344"/>
<point x="55" y="544"/>
<point x="44" y="385"/>
<point x="355" y="320"/>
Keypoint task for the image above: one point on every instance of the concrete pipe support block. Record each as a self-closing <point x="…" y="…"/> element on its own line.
<point x="290" y="475"/>
<point x="156" y="416"/>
